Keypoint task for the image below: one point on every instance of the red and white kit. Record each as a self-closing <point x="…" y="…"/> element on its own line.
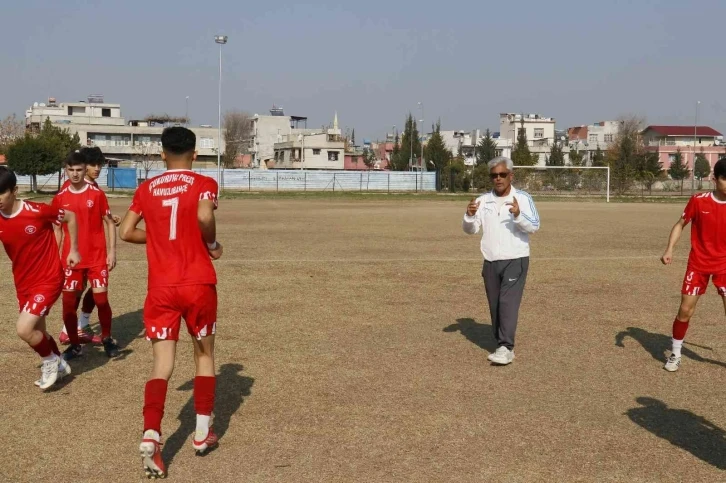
<point x="29" y="241"/>
<point x="708" y="244"/>
<point x="67" y="184"/>
<point x="90" y="207"/>
<point x="182" y="279"/>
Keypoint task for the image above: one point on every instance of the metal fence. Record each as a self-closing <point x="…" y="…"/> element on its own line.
<point x="284" y="180"/>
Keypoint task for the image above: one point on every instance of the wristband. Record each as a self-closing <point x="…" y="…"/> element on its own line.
<point x="212" y="246"/>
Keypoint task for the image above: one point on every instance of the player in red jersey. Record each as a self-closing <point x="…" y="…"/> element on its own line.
<point x="94" y="162"/>
<point x="91" y="208"/>
<point x="178" y="209"/>
<point x="707" y="260"/>
<point x="26" y="232"/>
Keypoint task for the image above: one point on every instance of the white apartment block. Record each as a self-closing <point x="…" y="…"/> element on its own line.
<point x="100" y="124"/>
<point x="464" y="143"/>
<point x="540" y="130"/>
<point x="310" y="149"/>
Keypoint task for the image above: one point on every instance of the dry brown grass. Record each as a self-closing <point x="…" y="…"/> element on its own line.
<point x="353" y="340"/>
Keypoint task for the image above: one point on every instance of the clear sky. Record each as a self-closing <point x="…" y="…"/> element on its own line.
<point x="373" y="61"/>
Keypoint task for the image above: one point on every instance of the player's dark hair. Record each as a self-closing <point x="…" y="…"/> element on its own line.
<point x="178" y="140"/>
<point x="8" y="181"/>
<point x="94" y="156"/>
<point x="75" y="158"/>
<point x="719" y="169"/>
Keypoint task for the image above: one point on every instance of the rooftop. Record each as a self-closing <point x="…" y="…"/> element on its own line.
<point x="704" y="131"/>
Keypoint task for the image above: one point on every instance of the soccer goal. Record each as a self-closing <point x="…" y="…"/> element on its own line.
<point x="564" y="180"/>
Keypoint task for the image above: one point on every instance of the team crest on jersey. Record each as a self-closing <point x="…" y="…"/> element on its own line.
<point x="104" y="273"/>
<point x="39" y="299"/>
<point x="89" y="203"/>
<point x="30" y="229"/>
<point x="69" y="272"/>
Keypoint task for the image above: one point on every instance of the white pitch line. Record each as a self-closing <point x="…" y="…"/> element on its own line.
<point x="404" y="260"/>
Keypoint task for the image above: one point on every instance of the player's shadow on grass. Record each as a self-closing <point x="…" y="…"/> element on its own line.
<point x="658" y="344"/>
<point x="682" y="428"/>
<point x="479" y="334"/>
<point x="125" y="328"/>
<point x="232" y="388"/>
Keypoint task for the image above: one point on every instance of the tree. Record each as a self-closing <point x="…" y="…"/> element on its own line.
<point x="10" y="130"/>
<point x="521" y="156"/>
<point x="577" y="158"/>
<point x="409" y="147"/>
<point x="395" y="153"/>
<point x="650" y="170"/>
<point x="678" y="170"/>
<point x="556" y="157"/>
<point x="701" y="169"/>
<point x="148" y="155"/>
<point x="486" y="150"/>
<point x="237" y="135"/>
<point x="598" y="159"/>
<point x="352" y="137"/>
<point x="369" y="158"/>
<point x="41" y="154"/>
<point x="624" y="152"/>
<point x="436" y="151"/>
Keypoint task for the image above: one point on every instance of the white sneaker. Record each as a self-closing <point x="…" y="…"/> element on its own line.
<point x="502" y="356"/>
<point x="672" y="363"/>
<point x="49" y="372"/>
<point x="64" y="370"/>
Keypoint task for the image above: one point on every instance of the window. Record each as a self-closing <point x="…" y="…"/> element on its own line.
<point x="671" y="158"/>
<point x="670" y="142"/>
<point x="105" y="112"/>
<point x="332" y="155"/>
<point x="608" y="138"/>
<point x="206" y="143"/>
<point x="316" y="152"/>
<point x="538" y="132"/>
<point x="592" y="138"/>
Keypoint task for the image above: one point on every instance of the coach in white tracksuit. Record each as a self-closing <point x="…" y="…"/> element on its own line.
<point x="506" y="217"/>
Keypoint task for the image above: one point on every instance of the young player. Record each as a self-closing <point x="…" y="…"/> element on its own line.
<point x="178" y="209"/>
<point x="94" y="162"/>
<point x="26" y="232"/>
<point x="707" y="212"/>
<point x="91" y="208"/>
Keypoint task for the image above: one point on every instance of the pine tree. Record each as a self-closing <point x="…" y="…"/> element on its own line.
<point x="486" y="150"/>
<point x="598" y="159"/>
<point x="701" y="169"/>
<point x="409" y="146"/>
<point x="557" y="157"/>
<point x="576" y="158"/>
<point x="678" y="171"/>
<point x="521" y="156"/>
<point x="436" y="151"/>
<point x="352" y="138"/>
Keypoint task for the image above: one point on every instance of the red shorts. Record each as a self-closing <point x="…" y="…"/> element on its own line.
<point x="695" y="283"/>
<point x="39" y="300"/>
<point x="166" y="306"/>
<point x="76" y="279"/>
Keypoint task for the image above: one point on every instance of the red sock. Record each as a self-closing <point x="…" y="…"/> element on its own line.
<point x="43" y="348"/>
<point x="154" y="399"/>
<point x="70" y="316"/>
<point x="679" y="329"/>
<point x="53" y="345"/>
<point x="88" y="303"/>
<point x="104" y="313"/>
<point x="204" y="387"/>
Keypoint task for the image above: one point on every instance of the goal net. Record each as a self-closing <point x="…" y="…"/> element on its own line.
<point x="576" y="181"/>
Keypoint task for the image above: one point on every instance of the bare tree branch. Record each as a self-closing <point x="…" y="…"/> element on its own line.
<point x="237" y="135"/>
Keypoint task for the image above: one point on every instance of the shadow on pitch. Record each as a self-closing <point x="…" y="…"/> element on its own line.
<point x="658" y="344"/>
<point x="232" y="388"/>
<point x="125" y="329"/>
<point x="682" y="428"/>
<point x="479" y="334"/>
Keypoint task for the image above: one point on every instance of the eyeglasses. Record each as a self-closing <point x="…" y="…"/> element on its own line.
<point x="498" y="175"/>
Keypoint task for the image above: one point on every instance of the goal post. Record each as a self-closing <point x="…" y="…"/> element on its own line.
<point x="575" y="179"/>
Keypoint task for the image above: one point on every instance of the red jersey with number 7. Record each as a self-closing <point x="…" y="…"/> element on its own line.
<point x="175" y="249"/>
<point x="708" y="233"/>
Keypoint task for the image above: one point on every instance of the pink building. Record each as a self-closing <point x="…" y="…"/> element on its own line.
<point x="667" y="140"/>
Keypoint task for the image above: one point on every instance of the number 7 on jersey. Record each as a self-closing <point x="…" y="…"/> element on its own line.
<point x="174" y="204"/>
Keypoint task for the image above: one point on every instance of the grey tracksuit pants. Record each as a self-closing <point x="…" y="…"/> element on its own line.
<point x="504" y="283"/>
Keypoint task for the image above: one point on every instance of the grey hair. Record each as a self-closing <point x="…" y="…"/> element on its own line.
<point x="501" y="160"/>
